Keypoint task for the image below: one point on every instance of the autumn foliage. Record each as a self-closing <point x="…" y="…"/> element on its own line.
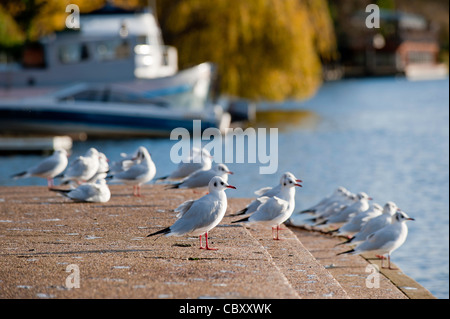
<point x="264" y="49"/>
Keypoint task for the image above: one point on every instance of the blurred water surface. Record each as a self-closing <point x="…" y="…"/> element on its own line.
<point x="388" y="137"/>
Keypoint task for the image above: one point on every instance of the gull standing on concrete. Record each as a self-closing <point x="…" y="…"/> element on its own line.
<point x="97" y="192"/>
<point x="337" y="195"/>
<point x="356" y="223"/>
<point x="48" y="168"/>
<point x="140" y="173"/>
<point x="82" y="168"/>
<point x="374" y="224"/>
<point x="202" y="178"/>
<point x="125" y="163"/>
<point x="275" y="210"/>
<point x="345" y="214"/>
<point x="267" y="192"/>
<point x="103" y="169"/>
<point x="335" y="206"/>
<point x="200" y="159"/>
<point x="198" y="217"/>
<point x="330" y="205"/>
<point x="385" y="240"/>
<point x="271" y="191"/>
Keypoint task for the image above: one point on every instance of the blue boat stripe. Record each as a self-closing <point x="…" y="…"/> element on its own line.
<point x="106" y="120"/>
<point x="168" y="91"/>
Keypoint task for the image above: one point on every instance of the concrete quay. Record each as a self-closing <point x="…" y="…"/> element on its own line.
<point x="53" y="248"/>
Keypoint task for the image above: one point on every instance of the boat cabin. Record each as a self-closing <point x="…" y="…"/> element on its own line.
<point x="111" y="45"/>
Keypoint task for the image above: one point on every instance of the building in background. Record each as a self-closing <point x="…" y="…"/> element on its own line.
<point x="404" y="44"/>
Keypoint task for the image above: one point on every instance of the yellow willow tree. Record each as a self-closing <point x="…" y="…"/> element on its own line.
<point x="264" y="49"/>
<point x="10" y="32"/>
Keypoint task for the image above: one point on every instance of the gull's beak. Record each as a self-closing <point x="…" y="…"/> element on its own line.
<point x="298" y="185"/>
<point x="409" y="218"/>
<point x="229" y="172"/>
<point x="299" y="181"/>
<point x="229" y="186"/>
<point x="370" y="198"/>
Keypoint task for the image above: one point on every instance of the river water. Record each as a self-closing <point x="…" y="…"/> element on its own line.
<point x="388" y="137"/>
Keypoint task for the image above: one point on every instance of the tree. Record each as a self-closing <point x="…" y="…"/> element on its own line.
<point x="264" y="49"/>
<point x="10" y="32"/>
<point x="37" y="18"/>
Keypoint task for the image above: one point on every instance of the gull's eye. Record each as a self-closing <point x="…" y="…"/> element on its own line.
<point x="290" y="182"/>
<point x="215" y="184"/>
<point x="221" y="183"/>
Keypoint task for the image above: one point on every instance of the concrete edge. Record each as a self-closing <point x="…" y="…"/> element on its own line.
<point x="407" y="285"/>
<point x="333" y="279"/>
<point x="411" y="288"/>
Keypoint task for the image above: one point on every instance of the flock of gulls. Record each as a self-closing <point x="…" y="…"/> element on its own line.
<point x="367" y="227"/>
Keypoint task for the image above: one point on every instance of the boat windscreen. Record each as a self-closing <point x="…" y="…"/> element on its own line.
<point x="107" y="95"/>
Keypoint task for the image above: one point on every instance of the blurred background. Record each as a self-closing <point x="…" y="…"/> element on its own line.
<point x="265" y="50"/>
<point x="365" y="108"/>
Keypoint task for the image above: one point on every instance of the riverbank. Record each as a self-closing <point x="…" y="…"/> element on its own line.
<point x="46" y="241"/>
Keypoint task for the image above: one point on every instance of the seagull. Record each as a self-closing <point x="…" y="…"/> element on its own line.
<point x="140" y="173"/>
<point x="385" y="240"/>
<point x="82" y="168"/>
<point x="346" y="199"/>
<point x="348" y="212"/>
<point x="355" y="224"/>
<point x="336" y="202"/>
<point x="103" y="168"/>
<point x="271" y="191"/>
<point x="97" y="192"/>
<point x="202" y="178"/>
<point x="337" y="195"/>
<point x="198" y="217"/>
<point x="266" y="192"/>
<point x="374" y="224"/>
<point x="48" y="168"/>
<point x="275" y="210"/>
<point x="200" y="159"/>
<point x="125" y="163"/>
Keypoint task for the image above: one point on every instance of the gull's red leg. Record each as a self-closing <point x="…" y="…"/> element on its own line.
<point x="200" y="238"/>
<point x="277" y="228"/>
<point x="207" y="246"/>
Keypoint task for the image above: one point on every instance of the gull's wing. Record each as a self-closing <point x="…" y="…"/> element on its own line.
<point x="84" y="192"/>
<point x="45" y="166"/>
<point x="183" y="208"/>
<point x="378" y="239"/>
<point x="270" y="209"/>
<point x="132" y="173"/>
<point x="77" y="167"/>
<point x="199" y="215"/>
